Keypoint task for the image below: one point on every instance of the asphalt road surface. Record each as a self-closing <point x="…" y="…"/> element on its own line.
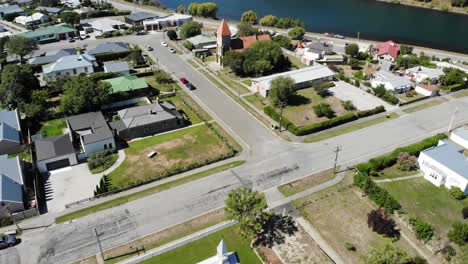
<point x="271" y="160"/>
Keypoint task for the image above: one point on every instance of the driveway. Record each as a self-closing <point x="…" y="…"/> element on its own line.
<point x="360" y="98"/>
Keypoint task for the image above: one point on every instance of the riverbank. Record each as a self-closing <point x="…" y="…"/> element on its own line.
<point x="442" y="5"/>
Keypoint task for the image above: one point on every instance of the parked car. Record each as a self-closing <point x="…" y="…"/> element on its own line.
<point x="164" y="44"/>
<point x="190" y="86"/>
<point x="71" y="40"/>
<point x="183" y="80"/>
<point x="150" y="48"/>
<point x="172" y="50"/>
<point x="7" y="241"/>
<point x="339" y="36"/>
<point x="141" y="32"/>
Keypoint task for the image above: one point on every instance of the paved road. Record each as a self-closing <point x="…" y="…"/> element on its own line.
<point x="271" y="159"/>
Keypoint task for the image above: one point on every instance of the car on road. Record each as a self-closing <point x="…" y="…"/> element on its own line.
<point x="187" y="84"/>
<point x="339" y="36"/>
<point x="172" y="50"/>
<point x="7" y="241"/>
<point x="149" y="48"/>
<point x="141" y="32"/>
<point x="164" y="44"/>
<point x="183" y="80"/>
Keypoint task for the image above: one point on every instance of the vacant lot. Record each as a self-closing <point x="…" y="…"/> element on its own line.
<point x="432" y="204"/>
<point x="341" y="216"/>
<point x="204" y="248"/>
<point x="176" y="149"/>
<point x="306" y="183"/>
<point x="423" y="106"/>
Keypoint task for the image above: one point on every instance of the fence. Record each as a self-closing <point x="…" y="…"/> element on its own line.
<point x="24" y="214"/>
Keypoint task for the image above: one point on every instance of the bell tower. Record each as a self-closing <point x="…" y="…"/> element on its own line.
<point x="223" y="42"/>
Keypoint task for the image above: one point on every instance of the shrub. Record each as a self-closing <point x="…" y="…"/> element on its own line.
<point x="457" y="193"/>
<point x="171" y="34"/>
<point x="188" y="45"/>
<point x="104" y="186"/>
<point x="162" y="77"/>
<point x="102" y="159"/>
<point x="324" y="109"/>
<point x="407" y="162"/>
<point x="348" y="105"/>
<point x="410" y="93"/>
<point x="424" y="231"/>
<point x="448" y="252"/>
<point x="380" y="223"/>
<point x="459" y="233"/>
<point x="350" y="246"/>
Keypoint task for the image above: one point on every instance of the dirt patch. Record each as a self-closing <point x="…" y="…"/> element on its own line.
<point x="307" y="182"/>
<point x="268" y="255"/>
<point x="301" y="248"/>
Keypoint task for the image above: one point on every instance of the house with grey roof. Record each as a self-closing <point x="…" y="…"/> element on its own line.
<point x="109" y="47"/>
<point x="91" y="132"/>
<point x="23" y="2"/>
<point x="11" y="184"/>
<point x="52" y="56"/>
<point x="120" y="67"/>
<point x="7" y="9"/>
<point x="445" y="165"/>
<point x="71" y="65"/>
<point x="10" y="132"/>
<point x="391" y="81"/>
<point x="54" y="153"/>
<point x="136" y="19"/>
<point x="146" y="120"/>
<point x="421" y="73"/>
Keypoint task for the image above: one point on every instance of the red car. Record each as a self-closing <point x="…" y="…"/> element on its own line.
<point x="183" y="80"/>
<point x="187" y="83"/>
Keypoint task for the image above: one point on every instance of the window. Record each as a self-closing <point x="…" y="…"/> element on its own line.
<point x="146" y="130"/>
<point x="74" y="71"/>
<point x="105" y="146"/>
<point x="110" y="145"/>
<point x="86" y="69"/>
<point x="165" y="124"/>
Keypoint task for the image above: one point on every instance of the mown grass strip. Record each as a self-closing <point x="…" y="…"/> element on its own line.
<point x="134" y="196"/>
<point x="423" y="106"/>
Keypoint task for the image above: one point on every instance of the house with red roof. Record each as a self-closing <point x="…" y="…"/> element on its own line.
<point x="426" y="89"/>
<point x="386" y="51"/>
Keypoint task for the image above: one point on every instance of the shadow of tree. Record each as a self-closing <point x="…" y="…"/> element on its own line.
<point x="297" y="99"/>
<point x="275" y="229"/>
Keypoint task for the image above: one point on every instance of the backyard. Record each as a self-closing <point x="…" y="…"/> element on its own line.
<point x="394" y="172"/>
<point x="174" y="150"/>
<point x="205" y="247"/>
<point x="52" y="127"/>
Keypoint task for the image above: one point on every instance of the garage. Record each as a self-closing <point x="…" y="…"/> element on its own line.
<point x="55" y="165"/>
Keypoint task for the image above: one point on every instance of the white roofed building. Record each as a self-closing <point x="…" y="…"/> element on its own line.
<point x="172" y="20"/>
<point x="34" y="19"/>
<point x="391" y="82"/>
<point x="71" y="65"/>
<point x="421" y="73"/>
<point x="223" y="256"/>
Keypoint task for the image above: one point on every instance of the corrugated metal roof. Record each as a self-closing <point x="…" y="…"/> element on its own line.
<point x="70" y="62"/>
<point x="11" y="168"/>
<point x="451" y="156"/>
<point x="108" y="47"/>
<point x="10" y="190"/>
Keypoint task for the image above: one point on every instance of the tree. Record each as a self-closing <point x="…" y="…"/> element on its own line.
<point x="297" y="33"/>
<point x="423" y="230"/>
<point x="248" y="208"/>
<point x="234" y="60"/>
<point x="3" y="54"/>
<point x="453" y="76"/>
<point x="283" y="41"/>
<point x="264" y="58"/>
<point x="324" y="109"/>
<point x="281" y="90"/>
<point x="38" y="104"/>
<point x="348" y="105"/>
<point x="354" y="63"/>
<point x="246" y="29"/>
<point x="269" y="21"/>
<point x="71" y="18"/>
<point x="457" y="193"/>
<point x="352" y="49"/>
<point x="459" y="3"/>
<point x="207" y="9"/>
<point x="459" y="233"/>
<point x="190" y="29"/>
<point x="181" y="9"/>
<point x="21" y="46"/>
<point x="249" y="17"/>
<point x="407" y="162"/>
<point x="17" y="84"/>
<point x="82" y="94"/>
<point x="405" y="49"/>
<point x="188" y="45"/>
<point x="171" y="34"/>
<point x="380" y="223"/>
<point x="390" y="254"/>
<point x="379" y="91"/>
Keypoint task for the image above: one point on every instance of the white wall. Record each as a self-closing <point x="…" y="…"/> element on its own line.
<point x="98" y="146"/>
<point x="65" y="73"/>
<point x="459" y="140"/>
<point x="423" y="91"/>
<point x="42" y="165"/>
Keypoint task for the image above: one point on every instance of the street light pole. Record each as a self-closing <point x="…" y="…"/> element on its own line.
<point x="453" y="119"/>
<point x="99" y="242"/>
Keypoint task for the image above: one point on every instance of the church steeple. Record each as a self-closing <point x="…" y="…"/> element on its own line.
<point x="223" y="42"/>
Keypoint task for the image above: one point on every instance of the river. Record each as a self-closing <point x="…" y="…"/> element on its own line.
<point x="374" y="20"/>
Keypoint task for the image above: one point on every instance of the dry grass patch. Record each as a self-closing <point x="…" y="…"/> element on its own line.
<point x="307" y="182"/>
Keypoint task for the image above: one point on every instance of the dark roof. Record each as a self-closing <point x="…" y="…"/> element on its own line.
<point x="116" y="66"/>
<point x="108" y="47"/>
<point x="52" y="147"/>
<point x="51" y="10"/>
<point x="146" y="114"/>
<point x="52" y="56"/>
<point x="140" y="16"/>
<point x="91" y="126"/>
<point x="320" y="47"/>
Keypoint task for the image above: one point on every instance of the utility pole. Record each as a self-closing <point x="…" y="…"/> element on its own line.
<point x="281" y="106"/>
<point x="453" y="119"/>
<point x="99" y="242"/>
<point x="337" y="150"/>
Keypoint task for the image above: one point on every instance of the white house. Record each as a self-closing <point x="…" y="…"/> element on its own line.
<point x="223" y="256"/>
<point x="34" y="19"/>
<point x="71" y="65"/>
<point x="445" y="165"/>
<point x="391" y="82"/>
<point x="426" y="89"/>
<point x="302" y="77"/>
<point x="421" y="73"/>
<point x="320" y="51"/>
<point x="460" y="136"/>
<point x="172" y="20"/>
<point x="107" y="25"/>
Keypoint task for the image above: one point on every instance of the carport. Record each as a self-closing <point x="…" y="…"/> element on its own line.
<point x="55" y="153"/>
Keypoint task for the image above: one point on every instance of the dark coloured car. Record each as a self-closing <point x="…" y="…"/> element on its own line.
<point x="7" y="241"/>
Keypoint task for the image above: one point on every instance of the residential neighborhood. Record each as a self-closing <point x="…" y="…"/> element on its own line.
<point x="143" y="132"/>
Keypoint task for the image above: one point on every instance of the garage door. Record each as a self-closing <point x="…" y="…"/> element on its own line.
<point x="58" y="164"/>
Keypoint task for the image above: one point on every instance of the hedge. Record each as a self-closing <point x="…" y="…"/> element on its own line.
<point x="110" y="56"/>
<point x="305" y="130"/>
<point x="377" y="194"/>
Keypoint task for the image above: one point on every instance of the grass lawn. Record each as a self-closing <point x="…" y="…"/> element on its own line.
<point x="206" y="247"/>
<point x="232" y="83"/>
<point x="432" y="204"/>
<point x="179" y="148"/>
<point x="191" y="62"/>
<point x="258" y="101"/>
<point x="393" y="172"/>
<point x="163" y="87"/>
<point x="460" y="94"/>
<point x="405" y="98"/>
<point x="247" y="82"/>
<point x="350" y="128"/>
<point x="134" y="196"/>
<point x="306" y="183"/>
<point x="52" y="127"/>
<point x="295" y="62"/>
<point x="423" y="106"/>
<point x="341" y="216"/>
<point x="181" y="107"/>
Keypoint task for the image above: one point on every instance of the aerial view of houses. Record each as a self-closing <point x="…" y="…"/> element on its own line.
<point x="177" y="132"/>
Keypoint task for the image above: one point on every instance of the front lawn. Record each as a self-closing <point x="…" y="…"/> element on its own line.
<point x="52" y="127"/>
<point x="191" y="117"/>
<point x="432" y="204"/>
<point x="306" y="183"/>
<point x="205" y="247"/>
<point x="175" y="150"/>
<point x="394" y="172"/>
<point x="423" y="106"/>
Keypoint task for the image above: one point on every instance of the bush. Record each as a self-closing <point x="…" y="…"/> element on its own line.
<point x="424" y="231"/>
<point x="324" y="109"/>
<point x="104" y="186"/>
<point x="171" y="34"/>
<point x="407" y="162"/>
<point x="457" y="193"/>
<point x="190" y="29"/>
<point x="459" y="233"/>
<point x="188" y="45"/>
<point x="162" y="77"/>
<point x="101" y="160"/>
<point x="380" y="223"/>
<point x="448" y="252"/>
<point x="350" y="246"/>
<point x="348" y="105"/>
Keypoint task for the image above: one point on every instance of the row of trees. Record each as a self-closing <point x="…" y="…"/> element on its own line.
<point x="208" y="9"/>
<point x="285" y="22"/>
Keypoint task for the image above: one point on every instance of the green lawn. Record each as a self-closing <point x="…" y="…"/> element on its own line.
<point x="52" y="127"/>
<point x="306" y="183"/>
<point x="191" y="62"/>
<point x="393" y="172"/>
<point x="205" y="247"/>
<point x="460" y="94"/>
<point x="134" y="196"/>
<point x="350" y="128"/>
<point x="423" y="106"/>
<point x="113" y="158"/>
<point x="233" y="83"/>
<point x="432" y="204"/>
<point x="258" y="101"/>
<point x="174" y="150"/>
<point x="181" y="107"/>
<point x="296" y="63"/>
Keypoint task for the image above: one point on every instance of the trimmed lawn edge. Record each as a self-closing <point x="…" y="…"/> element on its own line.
<point x="134" y="196"/>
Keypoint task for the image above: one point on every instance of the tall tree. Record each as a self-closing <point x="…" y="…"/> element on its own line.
<point x="17" y="84"/>
<point x="172" y="34"/>
<point x="234" y="60"/>
<point x="283" y="41"/>
<point x="297" y="33"/>
<point x="248" y="208"/>
<point x="352" y="49"/>
<point x="246" y="29"/>
<point x="21" y="46"/>
<point x="405" y="49"/>
<point x="264" y="58"/>
<point x="269" y="21"/>
<point x="282" y="88"/>
<point x="71" y="18"/>
<point x="82" y="94"/>
<point x="37" y="105"/>
<point x="190" y="29"/>
<point x="181" y="9"/>
<point x="249" y="16"/>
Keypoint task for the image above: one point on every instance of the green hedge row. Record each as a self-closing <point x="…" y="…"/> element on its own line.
<point x="110" y="56"/>
<point x="305" y="130"/>
<point x="377" y="194"/>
